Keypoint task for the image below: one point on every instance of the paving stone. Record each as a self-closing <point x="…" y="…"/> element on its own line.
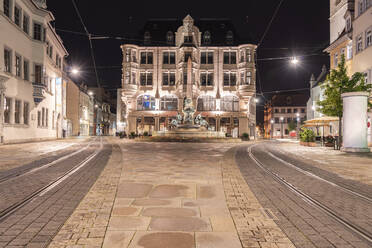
<point x="163" y="239"/>
<point x="133" y="190"/>
<point x="185" y="224"/>
<point x="118" y="239"/>
<point x="169" y="191"/>
<point x="168" y="212"/>
<point x="217" y="240"/>
<point x="129" y="223"/>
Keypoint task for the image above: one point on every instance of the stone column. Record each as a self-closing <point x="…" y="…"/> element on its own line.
<point x="218" y="123"/>
<point x="355" y="122"/>
<point x="243" y="126"/>
<point x="157" y="123"/>
<point x="132" y="124"/>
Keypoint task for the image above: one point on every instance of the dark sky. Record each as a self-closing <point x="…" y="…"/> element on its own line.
<point x="300" y="28"/>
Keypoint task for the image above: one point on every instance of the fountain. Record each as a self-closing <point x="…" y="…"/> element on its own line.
<point x="186" y="126"/>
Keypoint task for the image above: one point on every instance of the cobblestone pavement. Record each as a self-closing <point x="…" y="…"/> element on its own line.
<point x="170" y="195"/>
<point x="349" y="166"/>
<point x="16" y="155"/>
<point x="305" y="225"/>
<point x="37" y="222"/>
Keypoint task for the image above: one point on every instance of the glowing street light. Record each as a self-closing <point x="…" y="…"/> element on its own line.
<point x="256" y="100"/>
<point x="75" y="71"/>
<point x="294" y="61"/>
<point x="90" y="93"/>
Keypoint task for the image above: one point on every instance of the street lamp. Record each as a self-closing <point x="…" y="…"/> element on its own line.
<point x="281" y="129"/>
<point x="298" y="124"/>
<point x="272" y="128"/>
<point x="75" y="71"/>
<point x="294" y="61"/>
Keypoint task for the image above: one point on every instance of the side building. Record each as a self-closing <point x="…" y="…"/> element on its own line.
<point x="31" y="52"/>
<point x="362" y="36"/>
<point x="280" y="111"/>
<point x="155" y="76"/>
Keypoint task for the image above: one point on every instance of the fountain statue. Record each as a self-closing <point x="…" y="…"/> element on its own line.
<point x="187" y="126"/>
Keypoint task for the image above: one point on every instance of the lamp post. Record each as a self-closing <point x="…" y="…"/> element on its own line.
<point x="272" y="128"/>
<point x="281" y="129"/>
<point x="298" y="124"/>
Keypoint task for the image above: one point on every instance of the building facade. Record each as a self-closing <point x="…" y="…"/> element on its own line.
<point x="341" y="33"/>
<point x="362" y="36"/>
<point x="155" y="77"/>
<point x="31" y="88"/>
<point x="282" y="110"/>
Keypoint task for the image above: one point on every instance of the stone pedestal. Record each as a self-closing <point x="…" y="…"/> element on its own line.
<point x="355" y="122"/>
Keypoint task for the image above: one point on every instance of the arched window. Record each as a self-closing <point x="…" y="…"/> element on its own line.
<point x="206" y="103"/>
<point x="230" y="104"/>
<point x="145" y="102"/>
<point x="147" y="37"/>
<point x="207" y="38"/>
<point x="169" y="103"/>
<point x="170" y="38"/>
<point x="229" y="37"/>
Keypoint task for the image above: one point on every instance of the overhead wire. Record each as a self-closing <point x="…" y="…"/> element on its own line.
<point x="90" y="42"/>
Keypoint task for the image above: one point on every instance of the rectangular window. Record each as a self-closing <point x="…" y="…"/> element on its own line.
<point x="38" y="74"/>
<point x="26" y="70"/>
<point x="359" y="47"/>
<point x="349" y="54"/>
<point x="7" y="109"/>
<point x="249" y="55"/>
<point x="38" y="118"/>
<point x="242" y="78"/>
<point x="276" y="111"/>
<point x="146" y="78"/>
<point x="17" y="112"/>
<point x="50" y="51"/>
<point x="249" y="77"/>
<point x="335" y="60"/>
<point x="206" y="79"/>
<point x="169" y="78"/>
<point x="302" y="110"/>
<point x="18" y="65"/>
<point x="26" y="112"/>
<point x="146" y="58"/>
<point x="188" y="39"/>
<point x="43" y="117"/>
<point x="368" y="38"/>
<point x="8" y="60"/>
<point x="289" y="111"/>
<point x="7" y="8"/>
<point x="17" y="16"/>
<point x="37" y="31"/>
<point x="282" y="111"/>
<point x="46" y="117"/>
<point x="169" y="58"/>
<point x="26" y="24"/>
<point x="229" y="58"/>
<point x="229" y="79"/>
<point x="276" y="120"/>
<point x="295" y="110"/>
<point x="206" y="58"/>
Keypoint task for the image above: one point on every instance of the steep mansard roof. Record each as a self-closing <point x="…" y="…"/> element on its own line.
<point x="218" y="29"/>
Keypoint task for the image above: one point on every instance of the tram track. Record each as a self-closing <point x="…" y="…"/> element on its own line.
<point x="360" y="231"/>
<point x="4" y="213"/>
<point x="20" y="173"/>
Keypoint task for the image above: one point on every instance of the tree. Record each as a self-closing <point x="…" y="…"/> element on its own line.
<point x="292" y="126"/>
<point x="337" y="83"/>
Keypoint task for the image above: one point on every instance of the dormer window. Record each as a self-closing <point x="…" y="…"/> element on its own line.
<point x="187" y="39"/>
<point x="207" y="37"/>
<point x="147" y="37"/>
<point x="170" y="37"/>
<point x="348" y="23"/>
<point x="229" y="37"/>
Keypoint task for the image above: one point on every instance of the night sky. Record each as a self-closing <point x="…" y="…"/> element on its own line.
<point x="300" y="28"/>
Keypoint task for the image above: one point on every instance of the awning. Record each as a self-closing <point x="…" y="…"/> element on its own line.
<point x="322" y="121"/>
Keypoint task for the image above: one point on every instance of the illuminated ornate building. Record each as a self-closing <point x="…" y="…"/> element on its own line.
<point x="155" y="76"/>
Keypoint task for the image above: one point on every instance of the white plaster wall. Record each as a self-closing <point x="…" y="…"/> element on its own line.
<point x="19" y="89"/>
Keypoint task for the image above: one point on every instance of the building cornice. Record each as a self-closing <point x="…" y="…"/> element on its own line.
<point x="338" y="42"/>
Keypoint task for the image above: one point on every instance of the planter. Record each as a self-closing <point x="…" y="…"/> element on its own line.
<point x="355" y="131"/>
<point x="310" y="144"/>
